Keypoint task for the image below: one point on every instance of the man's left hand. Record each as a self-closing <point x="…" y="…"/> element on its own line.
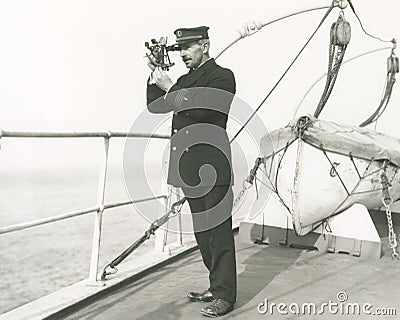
<point x="163" y="81"/>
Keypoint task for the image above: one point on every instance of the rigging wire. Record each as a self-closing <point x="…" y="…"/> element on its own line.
<point x="284" y="74"/>
<point x="266" y="24"/>
<point x="362" y="27"/>
<point x="174" y="211"/>
<point x="155" y="225"/>
<point x="390" y="80"/>
<point x="325" y="74"/>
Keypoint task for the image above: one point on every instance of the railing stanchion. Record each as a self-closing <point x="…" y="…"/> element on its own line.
<point x="179" y="218"/>
<point x="167" y="207"/>
<point x="94" y="260"/>
<point x="161" y="233"/>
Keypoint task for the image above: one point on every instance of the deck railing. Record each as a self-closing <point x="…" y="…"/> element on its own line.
<point x="100" y="206"/>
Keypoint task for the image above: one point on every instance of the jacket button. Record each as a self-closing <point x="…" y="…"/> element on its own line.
<point x="187" y="150"/>
<point x="175" y="130"/>
<point x="187" y="131"/>
<point x="174" y="148"/>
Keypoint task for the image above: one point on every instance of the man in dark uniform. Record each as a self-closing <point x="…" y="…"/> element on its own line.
<point x="200" y="157"/>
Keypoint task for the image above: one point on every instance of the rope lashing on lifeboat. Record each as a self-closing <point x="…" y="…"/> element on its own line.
<point x="273" y="183"/>
<point x="392" y="69"/>
<point x="352" y="189"/>
<point x="339" y="39"/>
<point x="354" y="164"/>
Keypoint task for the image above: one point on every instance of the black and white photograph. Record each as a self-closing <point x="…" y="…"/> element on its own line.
<point x="195" y="160"/>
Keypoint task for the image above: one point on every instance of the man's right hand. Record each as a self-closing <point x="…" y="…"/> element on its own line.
<point x="161" y="79"/>
<point x="151" y="62"/>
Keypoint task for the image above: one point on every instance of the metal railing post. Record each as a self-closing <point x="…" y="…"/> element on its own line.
<point x="161" y="233"/>
<point x="179" y="221"/>
<point x="167" y="205"/>
<point x="94" y="260"/>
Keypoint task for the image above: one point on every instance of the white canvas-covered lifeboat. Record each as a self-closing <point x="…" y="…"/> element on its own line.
<point x="320" y="168"/>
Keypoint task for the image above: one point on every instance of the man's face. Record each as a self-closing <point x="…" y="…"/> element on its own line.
<point x="193" y="54"/>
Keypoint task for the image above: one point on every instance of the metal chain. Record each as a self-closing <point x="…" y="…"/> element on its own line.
<point x="174" y="211"/>
<point x="248" y="182"/>
<point x="387" y="201"/>
<point x="176" y="208"/>
<point x="245" y="186"/>
<point x="392" y="234"/>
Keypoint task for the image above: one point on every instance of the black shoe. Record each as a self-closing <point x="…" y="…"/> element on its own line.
<point x="205" y="296"/>
<point x="217" y="308"/>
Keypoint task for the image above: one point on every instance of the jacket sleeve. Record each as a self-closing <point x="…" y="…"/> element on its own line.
<point x="200" y="100"/>
<point x="156" y="99"/>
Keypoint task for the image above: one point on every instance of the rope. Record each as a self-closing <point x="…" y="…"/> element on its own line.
<point x="338" y="41"/>
<point x="390" y="81"/>
<point x="175" y="210"/>
<point x="354" y="164"/>
<point x="362" y="27"/>
<point x="274" y="185"/>
<point x="249" y="180"/>
<point x="252" y="172"/>
<point x="349" y="193"/>
<point x="325" y="74"/>
<point x="285" y="72"/>
<point x="251" y="27"/>
<point x="333" y="167"/>
<point x="155" y="225"/>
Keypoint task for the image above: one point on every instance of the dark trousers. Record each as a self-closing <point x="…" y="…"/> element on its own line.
<point x="212" y="223"/>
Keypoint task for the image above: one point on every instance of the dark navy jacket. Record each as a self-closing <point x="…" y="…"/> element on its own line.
<point x="200" y="100"/>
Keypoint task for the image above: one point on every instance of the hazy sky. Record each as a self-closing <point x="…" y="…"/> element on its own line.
<point x="77" y="65"/>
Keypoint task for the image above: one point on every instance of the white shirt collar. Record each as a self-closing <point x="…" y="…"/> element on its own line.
<point x="202" y="64"/>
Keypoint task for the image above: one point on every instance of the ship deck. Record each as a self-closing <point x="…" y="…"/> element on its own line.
<point x="291" y="276"/>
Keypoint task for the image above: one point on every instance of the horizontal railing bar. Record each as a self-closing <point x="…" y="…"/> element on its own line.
<point x="94" y="134"/>
<point x="26" y="225"/>
<point x="123" y="203"/>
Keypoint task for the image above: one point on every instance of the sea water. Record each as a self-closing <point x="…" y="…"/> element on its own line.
<point x="43" y="259"/>
<point x="40" y="260"/>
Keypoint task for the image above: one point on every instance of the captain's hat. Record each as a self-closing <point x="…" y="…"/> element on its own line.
<point x="186" y="35"/>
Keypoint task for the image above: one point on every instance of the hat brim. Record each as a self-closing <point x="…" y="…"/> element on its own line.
<point x="180" y="43"/>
